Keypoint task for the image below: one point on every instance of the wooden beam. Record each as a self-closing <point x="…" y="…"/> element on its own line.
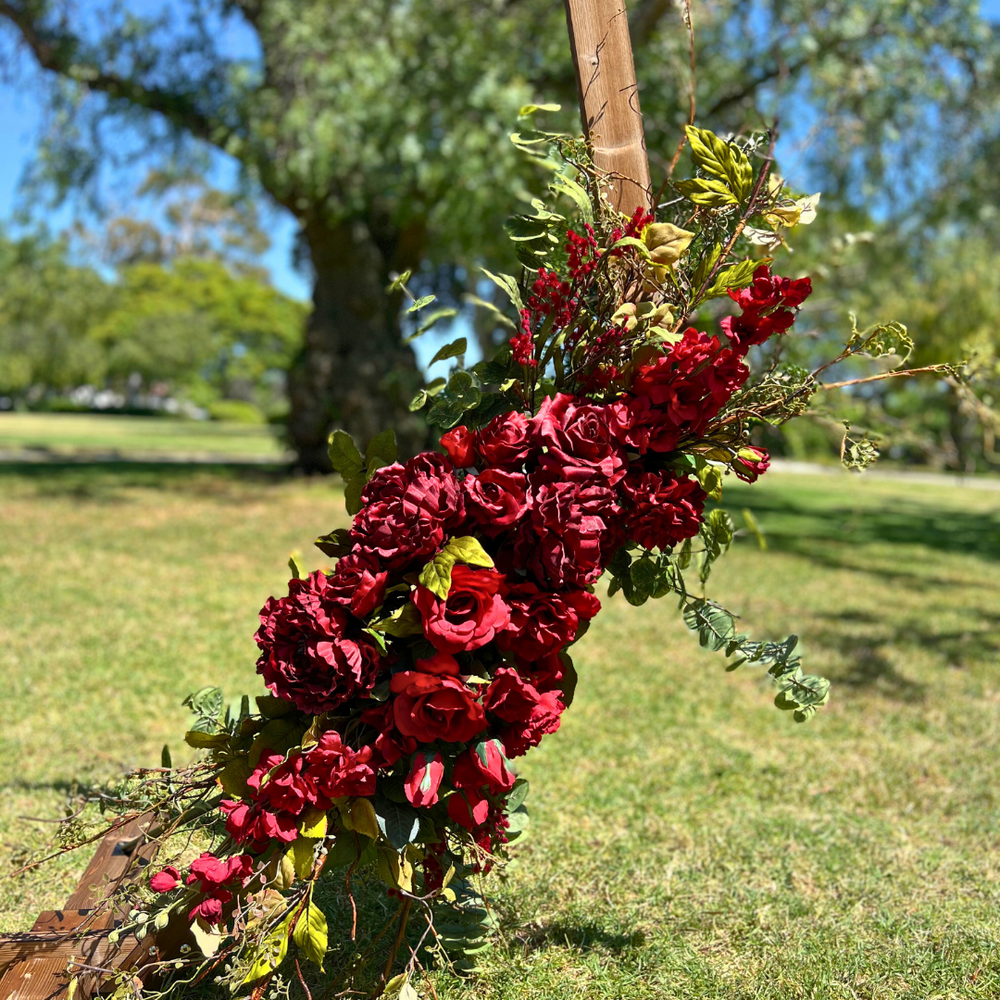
<point x="609" y="98"/>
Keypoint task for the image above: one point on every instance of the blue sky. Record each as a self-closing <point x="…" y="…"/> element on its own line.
<point x="20" y="114"/>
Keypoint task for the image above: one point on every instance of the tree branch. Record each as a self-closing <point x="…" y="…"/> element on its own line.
<point x="783" y="69"/>
<point x="55" y="52"/>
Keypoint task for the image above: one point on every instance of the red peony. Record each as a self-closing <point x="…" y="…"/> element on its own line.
<point x="571" y="535"/>
<point x="432" y="707"/>
<point x="660" y="511"/>
<point x="337" y="770"/>
<point x="218" y="879"/>
<point x="767" y="305"/>
<point x="473" y="613"/>
<point x="577" y="440"/>
<point x="358" y="583"/>
<point x="495" y="499"/>
<point x="543" y="622"/>
<point x="256" y="825"/>
<point x="313" y="652"/>
<point x="408" y="511"/>
<point x="678" y="394"/>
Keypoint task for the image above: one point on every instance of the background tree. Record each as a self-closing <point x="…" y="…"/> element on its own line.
<point x="47" y="306"/>
<point x="381" y="126"/>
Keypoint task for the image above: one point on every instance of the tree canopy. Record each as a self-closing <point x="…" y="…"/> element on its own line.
<point x="382" y="127"/>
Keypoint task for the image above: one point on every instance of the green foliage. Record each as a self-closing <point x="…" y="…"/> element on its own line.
<point x="209" y="334"/>
<point x="724" y="160"/>
<point x="345" y="458"/>
<point x="800" y="693"/>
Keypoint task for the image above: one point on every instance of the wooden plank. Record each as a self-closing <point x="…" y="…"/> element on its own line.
<point x="609" y="98"/>
<point x="33" y="965"/>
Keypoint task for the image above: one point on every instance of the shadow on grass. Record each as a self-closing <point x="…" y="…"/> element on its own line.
<point x="864" y="648"/>
<point x="583" y="937"/>
<point x="794" y="524"/>
<point x="104" y="482"/>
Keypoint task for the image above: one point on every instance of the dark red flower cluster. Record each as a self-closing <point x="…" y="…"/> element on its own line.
<point x="767" y="305"/>
<point x="435" y="653"/>
<point x="282" y="788"/>
<point x="215" y="880"/>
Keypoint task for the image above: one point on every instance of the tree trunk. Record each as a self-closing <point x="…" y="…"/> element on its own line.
<point x="353" y="372"/>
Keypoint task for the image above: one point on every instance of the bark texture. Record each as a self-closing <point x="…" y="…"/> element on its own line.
<point x="353" y="372"/>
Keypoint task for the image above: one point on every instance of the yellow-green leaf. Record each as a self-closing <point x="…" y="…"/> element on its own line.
<point x="703" y="191"/>
<point x="302" y="854"/>
<point x="271" y="951"/>
<point x="436" y="575"/>
<point x="205" y="741"/>
<point x="311" y="934"/>
<point x="312" y="823"/>
<point x="298" y="571"/>
<point x="363" y="818"/>
<point x="402" y="623"/>
<point x="666" y="242"/>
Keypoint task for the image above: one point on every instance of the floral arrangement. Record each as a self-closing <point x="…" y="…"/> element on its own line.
<point x="407" y="681"/>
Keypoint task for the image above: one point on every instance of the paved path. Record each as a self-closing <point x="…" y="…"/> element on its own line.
<point x="49" y="456"/>
<point x="783" y="465"/>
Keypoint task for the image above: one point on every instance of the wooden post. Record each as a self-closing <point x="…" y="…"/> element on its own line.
<point x="609" y="98"/>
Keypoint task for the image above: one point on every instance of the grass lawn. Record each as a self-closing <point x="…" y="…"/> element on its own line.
<point x="688" y="839"/>
<point x="73" y="434"/>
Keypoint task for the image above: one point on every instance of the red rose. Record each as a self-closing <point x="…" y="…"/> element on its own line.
<point x="504" y="443"/>
<point x="483" y="766"/>
<point x="314" y="653"/>
<point x="460" y="443"/>
<point x="408" y="510"/>
<point x="358" y="583"/>
<point x="548" y="673"/>
<point x="531" y="713"/>
<point x="165" y="881"/>
<point x="439" y="663"/>
<point x="424" y="780"/>
<point x="578" y="441"/>
<point x="468" y="809"/>
<point x="751" y="463"/>
<point x="473" y="613"/>
<point x="661" y="511"/>
<point x="571" y="535"/>
<point x="390" y="744"/>
<point x="544" y="622"/>
<point x="495" y="499"/>
<point x="432" y="707"/>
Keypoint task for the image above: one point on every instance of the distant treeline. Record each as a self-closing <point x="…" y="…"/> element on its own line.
<point x="189" y="334"/>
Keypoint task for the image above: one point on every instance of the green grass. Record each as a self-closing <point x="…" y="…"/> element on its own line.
<point x="72" y="434"/>
<point x="688" y="839"/>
